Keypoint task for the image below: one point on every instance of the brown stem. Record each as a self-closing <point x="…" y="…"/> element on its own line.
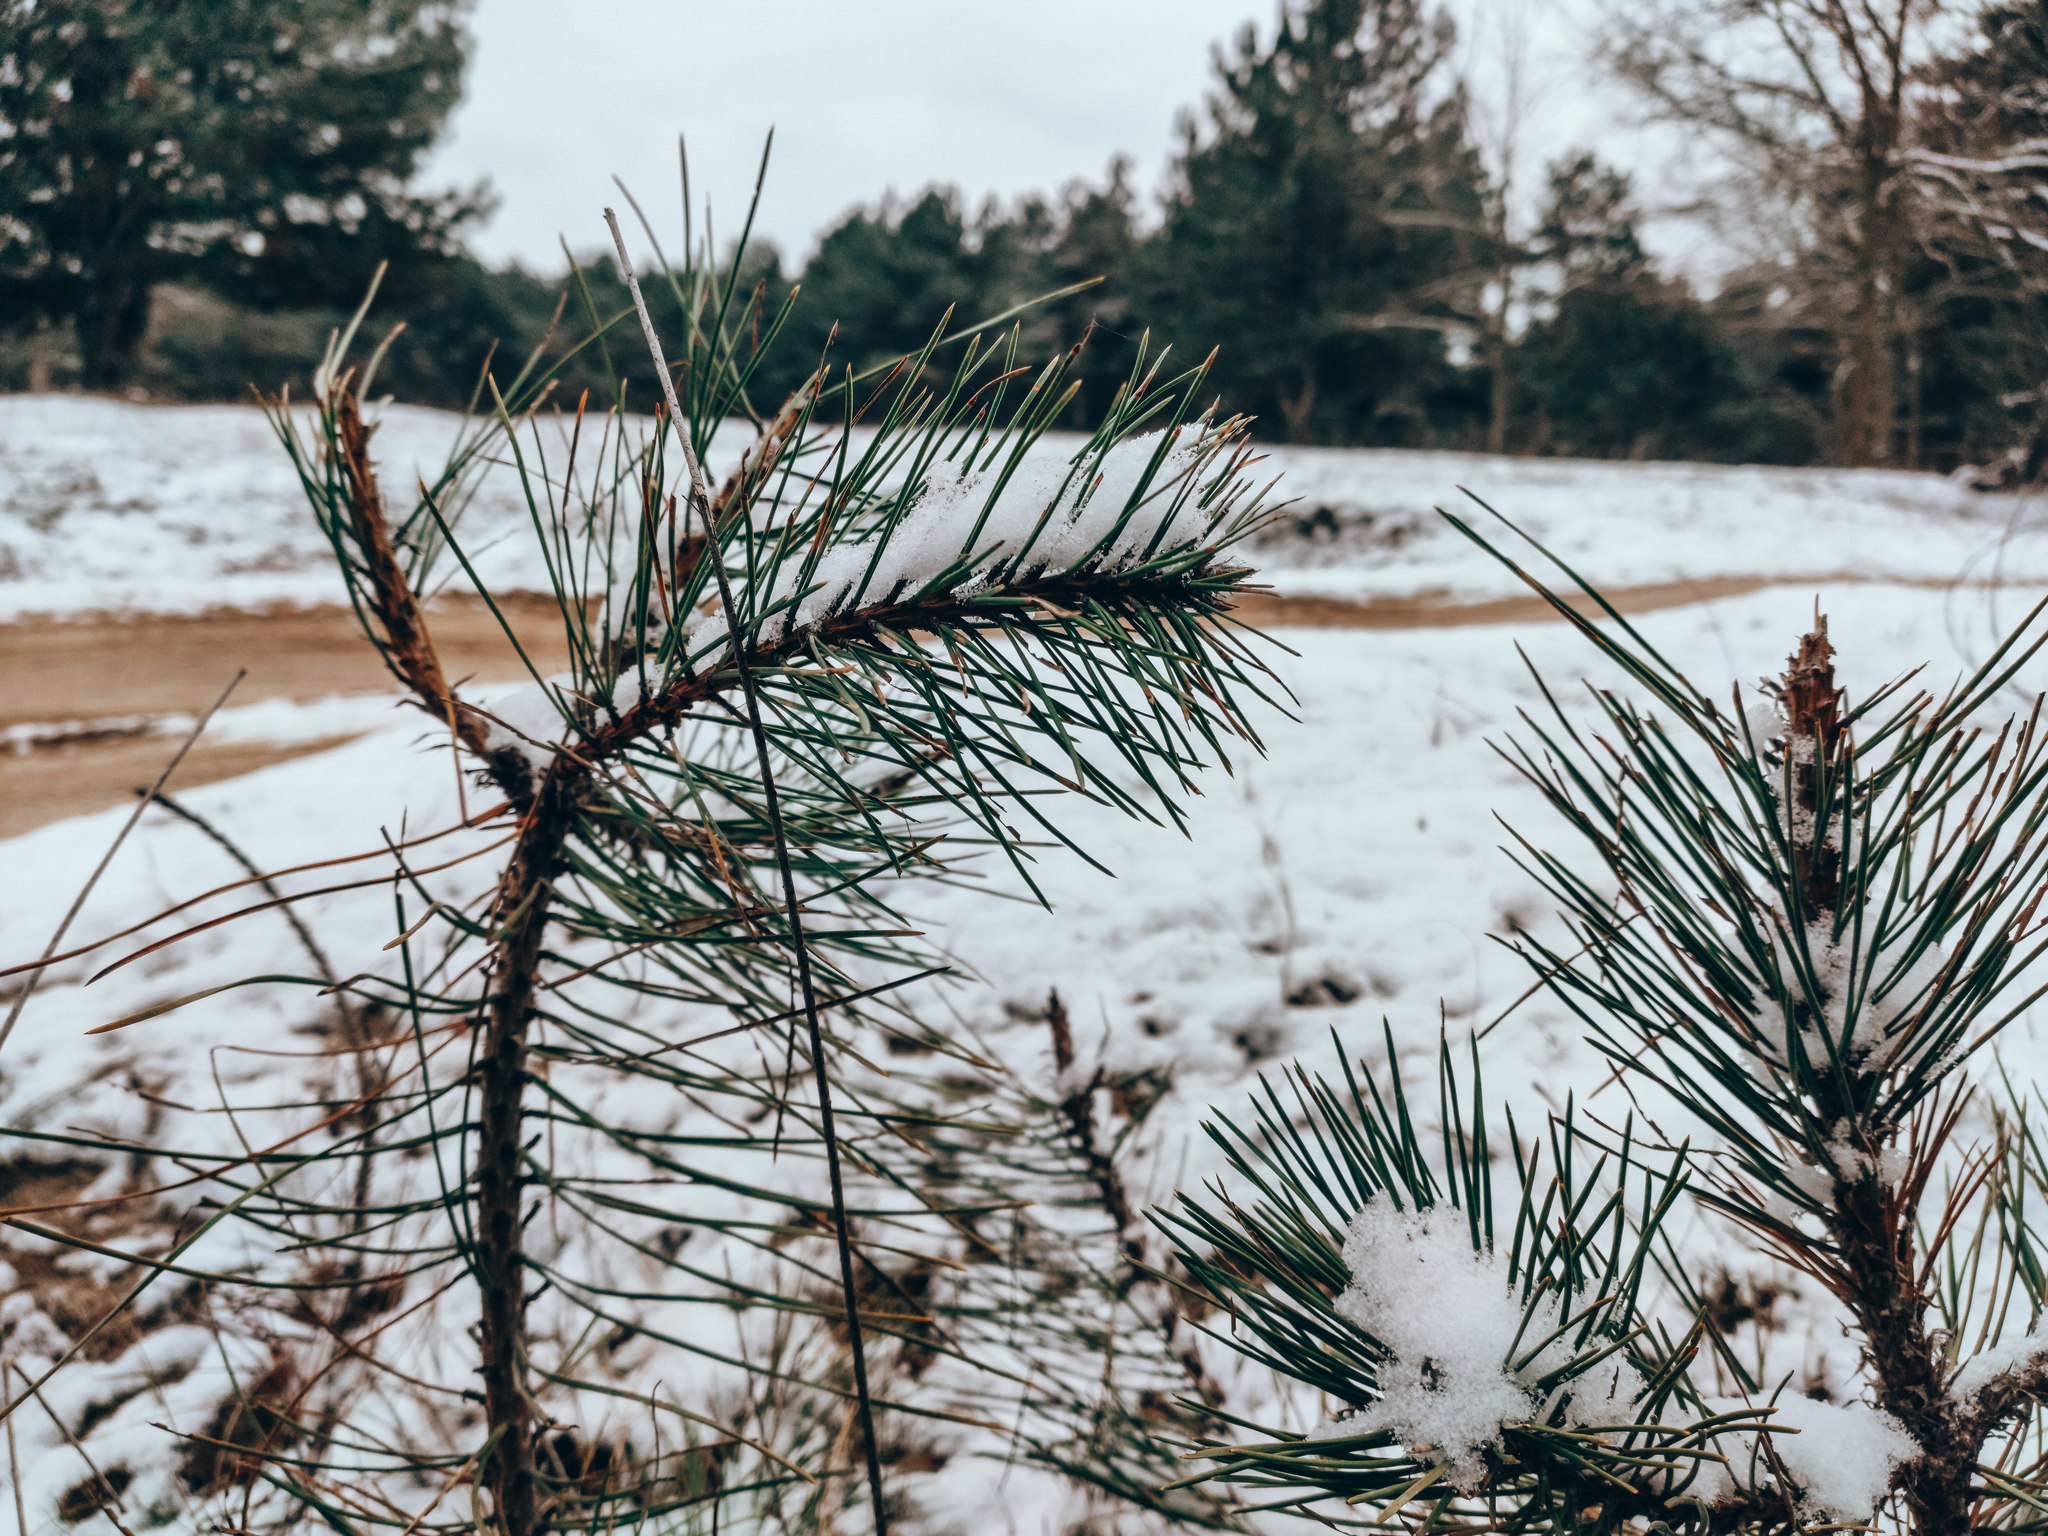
<point x="1813" y="733"/>
<point x="1079" y="1108"/>
<point x="1875" y="1236"/>
<point x="408" y="648"/>
<point x="498" y="1258"/>
<point x="1871" y="1222"/>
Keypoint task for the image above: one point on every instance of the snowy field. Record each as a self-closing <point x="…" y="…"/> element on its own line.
<point x="108" y="507"/>
<point x="1352" y="874"/>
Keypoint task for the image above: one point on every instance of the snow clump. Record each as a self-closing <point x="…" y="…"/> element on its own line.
<point x="1894" y="992"/>
<point x="1847" y="1164"/>
<point x="1988" y="1365"/>
<point x="528" y="721"/>
<point x="1449" y="1315"/>
<point x="1051" y="512"/>
<point x="1841" y="1458"/>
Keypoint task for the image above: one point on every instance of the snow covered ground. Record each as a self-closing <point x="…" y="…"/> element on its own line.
<point x="106" y="506"/>
<point x="1352" y="874"/>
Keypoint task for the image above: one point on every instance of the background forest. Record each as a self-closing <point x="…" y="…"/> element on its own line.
<point x="192" y="199"/>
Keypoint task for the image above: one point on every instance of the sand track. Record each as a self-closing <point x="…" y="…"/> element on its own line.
<point x="106" y="679"/>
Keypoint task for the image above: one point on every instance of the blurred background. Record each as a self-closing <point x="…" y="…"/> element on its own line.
<point x="1763" y="231"/>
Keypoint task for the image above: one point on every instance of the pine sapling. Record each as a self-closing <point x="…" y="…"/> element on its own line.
<point x="1816" y="915"/>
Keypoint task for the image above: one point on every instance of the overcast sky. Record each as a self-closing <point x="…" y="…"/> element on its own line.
<point x="867" y="96"/>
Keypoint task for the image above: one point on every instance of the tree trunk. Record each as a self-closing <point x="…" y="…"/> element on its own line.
<point x="1868" y="401"/>
<point x="499" y="1257"/>
<point x="111" y="319"/>
<point x="1497" y="415"/>
<point x="1296" y="409"/>
<point x="1916" y="404"/>
<point x="39" y="357"/>
<point x="1497" y="344"/>
<point x="1878" y="1256"/>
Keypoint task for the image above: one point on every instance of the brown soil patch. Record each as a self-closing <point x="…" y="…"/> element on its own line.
<point x="100" y="669"/>
<point x="91" y="669"/>
<point x="1271" y="610"/>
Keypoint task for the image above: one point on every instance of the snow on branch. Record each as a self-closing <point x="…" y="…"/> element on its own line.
<point x="2008" y="1357"/>
<point x="1839" y="1457"/>
<point x="996" y="520"/>
<point x="1468" y="1357"/>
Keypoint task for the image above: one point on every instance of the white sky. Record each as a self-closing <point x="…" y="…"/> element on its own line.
<point x="867" y="96"/>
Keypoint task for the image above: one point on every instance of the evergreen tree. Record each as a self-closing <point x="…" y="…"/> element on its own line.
<point x="259" y="145"/>
<point x="604" y="1218"/>
<point x="1326" y="224"/>
<point x="1626" y="363"/>
<point x="887" y="275"/>
<point x="1096" y="242"/>
<point x="1816" y="916"/>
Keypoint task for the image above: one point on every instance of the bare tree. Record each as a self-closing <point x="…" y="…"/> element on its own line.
<point x="1499" y="46"/>
<point x="1814" y="102"/>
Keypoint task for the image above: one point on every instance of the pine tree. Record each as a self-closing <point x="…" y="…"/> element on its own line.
<point x="260" y="145"/>
<point x="1817" y="916"/>
<point x="1329" y="222"/>
<point x="604" y="1214"/>
<point x="1623" y="362"/>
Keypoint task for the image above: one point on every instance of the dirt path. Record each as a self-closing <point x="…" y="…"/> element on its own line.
<point x="110" y="681"/>
<point x="91" y="693"/>
<point x="101" y="669"/>
<point x="1435" y="611"/>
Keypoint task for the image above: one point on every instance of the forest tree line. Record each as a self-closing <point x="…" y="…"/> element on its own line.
<point x="1329" y="225"/>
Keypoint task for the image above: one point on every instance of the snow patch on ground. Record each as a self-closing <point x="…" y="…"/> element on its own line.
<point x="110" y="506"/>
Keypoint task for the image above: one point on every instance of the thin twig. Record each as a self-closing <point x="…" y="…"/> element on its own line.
<point x="113" y="1494"/>
<point x="14" y="1462"/>
<point x="21" y="999"/>
<point x="700" y="498"/>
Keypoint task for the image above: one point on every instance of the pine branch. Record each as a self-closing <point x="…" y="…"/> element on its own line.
<point x="1070" y="628"/>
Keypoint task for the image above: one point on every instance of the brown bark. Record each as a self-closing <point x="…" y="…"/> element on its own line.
<point x="1874" y="1231"/>
<point x="1813" y="732"/>
<point x="498" y="1260"/>
<point x="1869" y="396"/>
<point x="39" y="357"/>
<point x="1499" y="355"/>
<point x="1874" y="1270"/>
<point x="1868" y="393"/>
<point x="408" y="646"/>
